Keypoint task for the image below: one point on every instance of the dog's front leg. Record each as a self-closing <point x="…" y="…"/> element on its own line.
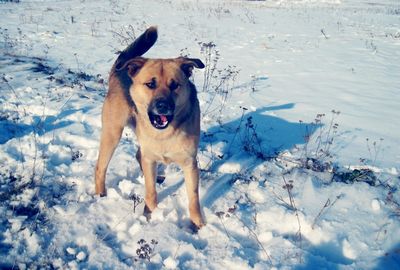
<point x="109" y="140"/>
<point x="114" y="117"/>
<point x="149" y="172"/>
<point x="191" y="173"/>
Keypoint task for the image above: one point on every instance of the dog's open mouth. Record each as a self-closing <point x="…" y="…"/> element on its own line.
<point x="160" y="121"/>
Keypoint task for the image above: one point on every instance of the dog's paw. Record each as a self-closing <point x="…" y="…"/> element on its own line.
<point x="100" y="194"/>
<point x="147" y="213"/>
<point x="194" y="228"/>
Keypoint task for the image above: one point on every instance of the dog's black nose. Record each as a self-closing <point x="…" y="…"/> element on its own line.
<point x="162" y="106"/>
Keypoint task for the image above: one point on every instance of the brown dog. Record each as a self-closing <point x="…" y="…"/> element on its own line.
<point x="157" y="98"/>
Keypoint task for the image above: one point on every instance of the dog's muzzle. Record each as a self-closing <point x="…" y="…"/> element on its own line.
<point x="161" y="112"/>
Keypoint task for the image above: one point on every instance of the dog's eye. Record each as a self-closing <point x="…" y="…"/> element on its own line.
<point x="152" y="84"/>
<point x="173" y="85"/>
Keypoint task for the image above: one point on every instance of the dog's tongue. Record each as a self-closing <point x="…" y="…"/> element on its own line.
<point x="160" y="121"/>
<point x="163" y="119"/>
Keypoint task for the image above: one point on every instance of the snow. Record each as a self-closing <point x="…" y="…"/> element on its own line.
<point x="170" y="263"/>
<point x="271" y="200"/>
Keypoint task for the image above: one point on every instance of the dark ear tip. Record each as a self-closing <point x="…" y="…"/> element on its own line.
<point x="118" y="66"/>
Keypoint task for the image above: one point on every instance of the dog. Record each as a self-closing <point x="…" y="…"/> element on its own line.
<point x="157" y="98"/>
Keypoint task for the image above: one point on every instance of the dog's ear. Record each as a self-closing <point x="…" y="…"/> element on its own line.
<point x="139" y="47"/>
<point x="133" y="66"/>
<point x="187" y="65"/>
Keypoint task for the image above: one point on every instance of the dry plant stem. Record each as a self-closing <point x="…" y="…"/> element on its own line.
<point x="288" y="189"/>
<point x="331" y="132"/>
<point x="137" y="200"/>
<point x="282" y="200"/>
<point x="323" y="32"/>
<point x="125" y="35"/>
<point x="307" y="136"/>
<point x="373" y="154"/>
<point x="223" y="225"/>
<point x="25" y="114"/>
<point x="327" y="205"/>
<point x="237" y="129"/>
<point x="321" y="130"/>
<point x="255" y="237"/>
<point x="177" y="249"/>
<point x="14" y="92"/>
<point x="251" y="139"/>
<point x="382" y="228"/>
<point x="293" y="204"/>
<point x="211" y="58"/>
<point x="225" y="80"/>
<point x="328" y="140"/>
<point x="77" y="62"/>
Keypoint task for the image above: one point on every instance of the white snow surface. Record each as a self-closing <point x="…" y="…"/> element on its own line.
<point x="265" y="207"/>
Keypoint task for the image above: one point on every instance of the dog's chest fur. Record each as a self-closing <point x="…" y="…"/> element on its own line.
<point x="178" y="147"/>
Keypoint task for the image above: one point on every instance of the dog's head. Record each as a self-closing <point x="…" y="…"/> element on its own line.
<point x="160" y="88"/>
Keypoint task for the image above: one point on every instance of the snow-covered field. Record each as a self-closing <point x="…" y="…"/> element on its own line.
<point x="299" y="153"/>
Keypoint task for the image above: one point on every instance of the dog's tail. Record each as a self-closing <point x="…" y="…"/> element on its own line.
<point x="139" y="47"/>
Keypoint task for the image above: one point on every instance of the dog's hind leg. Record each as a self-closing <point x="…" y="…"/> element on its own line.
<point x="114" y="118"/>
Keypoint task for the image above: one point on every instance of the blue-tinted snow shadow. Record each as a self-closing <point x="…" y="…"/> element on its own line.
<point x="324" y="256"/>
<point x="13" y="129"/>
<point x="169" y="190"/>
<point x="330" y="256"/>
<point x="274" y="135"/>
<point x="390" y="260"/>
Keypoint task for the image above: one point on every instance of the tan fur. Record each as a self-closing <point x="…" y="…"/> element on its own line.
<point x="177" y="143"/>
